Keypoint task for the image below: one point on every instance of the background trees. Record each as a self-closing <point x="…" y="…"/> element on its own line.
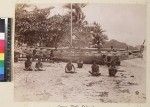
<point x="31" y="26"/>
<point x="36" y="26"/>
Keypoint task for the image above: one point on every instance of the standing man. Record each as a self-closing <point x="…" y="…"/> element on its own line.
<point x="51" y="56"/>
<point x="34" y="53"/>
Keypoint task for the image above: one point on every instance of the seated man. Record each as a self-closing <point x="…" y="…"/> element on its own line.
<point x="80" y="64"/>
<point x="28" y="64"/>
<point x="39" y="65"/>
<point x="112" y="70"/>
<point x="95" y="69"/>
<point x="70" y="68"/>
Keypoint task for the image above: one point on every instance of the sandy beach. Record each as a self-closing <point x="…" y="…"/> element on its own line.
<point x="54" y="85"/>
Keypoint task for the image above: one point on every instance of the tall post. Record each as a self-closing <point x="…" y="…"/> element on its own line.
<point x="71" y="28"/>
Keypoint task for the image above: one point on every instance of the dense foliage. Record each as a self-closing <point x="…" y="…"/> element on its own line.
<point x="37" y="26"/>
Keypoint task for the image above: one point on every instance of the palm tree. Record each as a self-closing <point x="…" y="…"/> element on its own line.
<point x="77" y="12"/>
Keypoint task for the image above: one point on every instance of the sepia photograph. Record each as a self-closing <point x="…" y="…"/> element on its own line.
<point x="80" y="53"/>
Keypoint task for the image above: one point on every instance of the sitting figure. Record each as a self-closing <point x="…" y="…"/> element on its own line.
<point x="39" y="65"/>
<point x="80" y="64"/>
<point x="28" y="64"/>
<point x="112" y="71"/>
<point x="95" y="69"/>
<point x="70" y="68"/>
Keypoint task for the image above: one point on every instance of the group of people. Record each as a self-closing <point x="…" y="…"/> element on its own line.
<point x="38" y="65"/>
<point x="70" y="68"/>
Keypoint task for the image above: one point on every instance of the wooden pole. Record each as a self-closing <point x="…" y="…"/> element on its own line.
<point x="71" y="28"/>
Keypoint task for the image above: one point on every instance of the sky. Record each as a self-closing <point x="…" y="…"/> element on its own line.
<point x="123" y="22"/>
<point x="58" y="8"/>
